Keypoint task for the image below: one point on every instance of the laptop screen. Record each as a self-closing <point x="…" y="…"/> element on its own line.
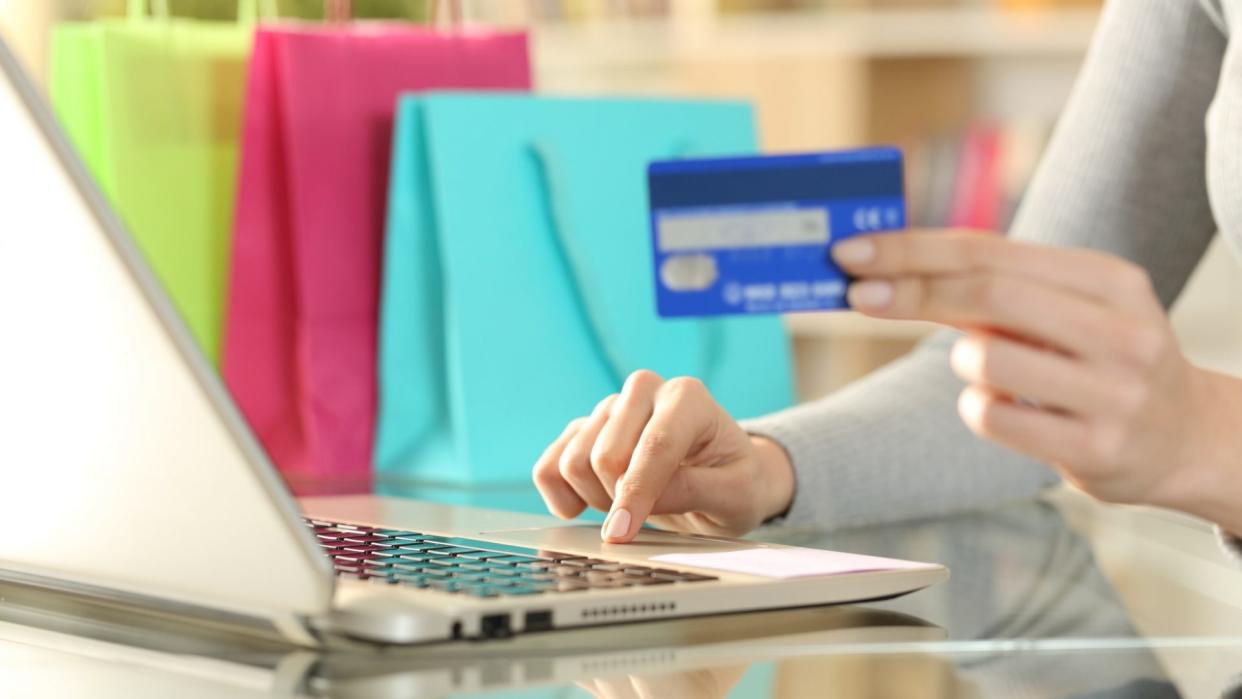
<point x="125" y="466"/>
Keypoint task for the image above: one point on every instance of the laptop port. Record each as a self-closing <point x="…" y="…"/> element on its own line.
<point x="539" y="621"/>
<point x="495" y="626"/>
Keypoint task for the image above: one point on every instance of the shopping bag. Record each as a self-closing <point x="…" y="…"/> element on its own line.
<point x="518" y="285"/>
<point x="153" y="104"/>
<point x="300" y="341"/>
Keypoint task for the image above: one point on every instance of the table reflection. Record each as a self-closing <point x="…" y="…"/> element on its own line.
<point x="1026" y="613"/>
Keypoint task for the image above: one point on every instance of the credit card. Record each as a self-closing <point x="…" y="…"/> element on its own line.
<point x="751" y="234"/>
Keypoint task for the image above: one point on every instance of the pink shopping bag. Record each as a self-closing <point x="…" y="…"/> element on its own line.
<point x="300" y="336"/>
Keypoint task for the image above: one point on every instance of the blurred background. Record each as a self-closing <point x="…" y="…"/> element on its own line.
<point x="970" y="89"/>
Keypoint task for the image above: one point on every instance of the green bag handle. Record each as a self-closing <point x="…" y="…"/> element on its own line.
<point x="248" y="11"/>
<point x="591" y="306"/>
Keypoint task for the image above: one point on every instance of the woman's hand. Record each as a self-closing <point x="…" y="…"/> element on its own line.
<point x="1069" y="358"/>
<point x="664" y="448"/>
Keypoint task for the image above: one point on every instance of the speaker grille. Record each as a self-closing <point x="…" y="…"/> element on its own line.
<point x="621" y="611"/>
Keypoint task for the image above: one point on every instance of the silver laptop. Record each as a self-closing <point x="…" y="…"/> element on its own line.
<point x="130" y="475"/>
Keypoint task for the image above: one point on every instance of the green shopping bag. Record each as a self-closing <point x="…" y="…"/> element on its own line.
<point x="154" y="106"/>
<point x="518" y="287"/>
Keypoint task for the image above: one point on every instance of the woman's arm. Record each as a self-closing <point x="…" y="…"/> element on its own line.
<point x="1124" y="173"/>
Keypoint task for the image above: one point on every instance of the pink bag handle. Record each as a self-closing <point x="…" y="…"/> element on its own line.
<point x="341" y="11"/>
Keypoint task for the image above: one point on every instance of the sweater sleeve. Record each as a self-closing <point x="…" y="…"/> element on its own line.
<point x="1124" y="173"/>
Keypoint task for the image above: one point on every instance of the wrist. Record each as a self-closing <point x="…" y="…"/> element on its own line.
<point x="1209" y="473"/>
<point x="776" y="476"/>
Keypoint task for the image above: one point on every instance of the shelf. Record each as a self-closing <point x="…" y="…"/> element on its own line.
<point x="903" y="33"/>
<point x="847" y="324"/>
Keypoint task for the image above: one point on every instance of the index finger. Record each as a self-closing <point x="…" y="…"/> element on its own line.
<point x="678" y="421"/>
<point x="1099" y="276"/>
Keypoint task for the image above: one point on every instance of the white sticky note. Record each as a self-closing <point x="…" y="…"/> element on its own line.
<point x="788" y="562"/>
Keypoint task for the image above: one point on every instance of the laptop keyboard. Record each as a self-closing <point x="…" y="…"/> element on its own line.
<point x="476" y="568"/>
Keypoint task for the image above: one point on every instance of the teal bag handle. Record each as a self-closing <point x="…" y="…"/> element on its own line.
<point x="710" y="335"/>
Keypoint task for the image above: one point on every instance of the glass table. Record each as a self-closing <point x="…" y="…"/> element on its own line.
<point x="1055" y="598"/>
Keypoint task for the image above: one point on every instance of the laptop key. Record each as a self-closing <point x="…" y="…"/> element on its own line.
<point x="539" y="577"/>
<point x="501" y="572"/>
<point x="643" y="580"/>
<point x="412" y="581"/>
<point x="453" y="550"/>
<point x="423" y="546"/>
<point x="513" y="559"/>
<point x="477" y="555"/>
<point x="676" y="576"/>
<point x="398" y="533"/>
<point x="521" y="590"/>
<point x="609" y="567"/>
<point x="491" y="546"/>
<point x="361" y="548"/>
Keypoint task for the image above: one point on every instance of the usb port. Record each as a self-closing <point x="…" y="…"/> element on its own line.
<point x="495" y="626"/>
<point x="539" y="621"/>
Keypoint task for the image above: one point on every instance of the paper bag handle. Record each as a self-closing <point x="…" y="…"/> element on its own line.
<point x="341" y="11"/>
<point x="248" y="11"/>
<point x="591" y="306"/>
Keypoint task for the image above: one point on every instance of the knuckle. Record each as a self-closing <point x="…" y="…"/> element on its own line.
<point x="973" y="248"/>
<point x="608" y="463"/>
<point x="993" y="295"/>
<point x="642" y="379"/>
<point x="1144" y="343"/>
<point x="656" y="445"/>
<point x="914" y="296"/>
<point x="987" y="418"/>
<point x="638" y="489"/>
<point x="631" y="490"/>
<point x="1132" y="278"/>
<point x="1104" y="442"/>
<point x="605" y="405"/>
<point x="1131" y="396"/>
<point x="545" y="473"/>
<point x="572" y="466"/>
<point x="685" y="387"/>
<point x="991" y="362"/>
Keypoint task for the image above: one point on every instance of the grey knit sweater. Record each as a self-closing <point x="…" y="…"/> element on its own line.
<point x="1145" y="163"/>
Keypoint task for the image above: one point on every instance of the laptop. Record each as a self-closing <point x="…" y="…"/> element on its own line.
<point x="130" y="476"/>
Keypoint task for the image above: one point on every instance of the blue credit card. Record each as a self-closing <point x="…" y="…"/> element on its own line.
<point x="751" y="234"/>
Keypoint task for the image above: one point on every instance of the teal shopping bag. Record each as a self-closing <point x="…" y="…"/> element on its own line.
<point x="518" y="284"/>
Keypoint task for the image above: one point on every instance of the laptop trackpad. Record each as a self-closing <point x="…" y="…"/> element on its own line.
<point x="584" y="538"/>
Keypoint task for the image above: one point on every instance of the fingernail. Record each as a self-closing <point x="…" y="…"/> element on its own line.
<point x="870" y="294"/>
<point x="618" y="525"/>
<point x="966" y="358"/>
<point x="858" y="251"/>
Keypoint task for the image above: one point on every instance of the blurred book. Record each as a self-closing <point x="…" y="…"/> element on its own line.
<point x="974" y="178"/>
